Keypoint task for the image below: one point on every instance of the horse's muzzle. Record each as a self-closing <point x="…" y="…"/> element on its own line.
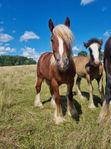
<point x="63" y="64"/>
<point x="96" y="63"/>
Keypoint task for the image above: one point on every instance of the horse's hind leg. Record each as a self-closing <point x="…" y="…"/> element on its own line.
<point x="52" y="93"/>
<point x="100" y="87"/>
<point x="58" y="116"/>
<point x="52" y="96"/>
<point x="104" y="114"/>
<point x="37" y="102"/>
<point x="91" y="104"/>
<point x="78" y="81"/>
<point x="71" y="109"/>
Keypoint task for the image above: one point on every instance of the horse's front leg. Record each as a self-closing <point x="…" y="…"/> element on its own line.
<point x="52" y="96"/>
<point x="91" y="104"/>
<point x="105" y="113"/>
<point x="70" y="104"/>
<point x="37" y="102"/>
<point x="58" y="115"/>
<point x="100" y="87"/>
<point x="78" y="81"/>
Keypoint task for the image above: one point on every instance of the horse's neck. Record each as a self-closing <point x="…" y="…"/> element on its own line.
<point x="71" y="68"/>
<point x="94" y="69"/>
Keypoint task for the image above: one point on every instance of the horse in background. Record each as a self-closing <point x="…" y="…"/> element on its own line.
<point x="57" y="67"/>
<point x="90" y="68"/>
<point x="105" y="113"/>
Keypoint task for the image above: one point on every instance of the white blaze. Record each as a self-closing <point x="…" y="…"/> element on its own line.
<point x="37" y="102"/>
<point x="61" y="48"/>
<point x="95" y="51"/>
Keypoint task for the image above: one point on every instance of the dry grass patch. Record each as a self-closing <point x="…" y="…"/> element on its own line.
<point x="24" y="127"/>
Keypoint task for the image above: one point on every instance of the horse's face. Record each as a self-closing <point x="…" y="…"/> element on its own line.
<point x="61" y="52"/>
<point x="94" y="47"/>
<point x="61" y="49"/>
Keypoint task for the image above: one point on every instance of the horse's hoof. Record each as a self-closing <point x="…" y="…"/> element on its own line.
<point x="59" y="120"/>
<point x="72" y="112"/>
<point x="91" y="106"/>
<point x="53" y="104"/>
<point x="40" y="105"/>
<point x="82" y="97"/>
<point x="68" y="112"/>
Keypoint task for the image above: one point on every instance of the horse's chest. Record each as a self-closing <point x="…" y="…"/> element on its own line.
<point x="63" y="77"/>
<point x="94" y="72"/>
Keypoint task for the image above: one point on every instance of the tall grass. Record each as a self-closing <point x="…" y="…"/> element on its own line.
<point x="24" y="127"/>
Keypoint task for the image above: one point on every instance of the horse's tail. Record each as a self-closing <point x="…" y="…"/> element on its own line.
<point x="105" y="112"/>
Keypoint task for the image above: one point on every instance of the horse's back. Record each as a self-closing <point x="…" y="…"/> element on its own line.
<point x="107" y="55"/>
<point x="43" y="65"/>
<point x="107" y="51"/>
<point x="80" y="63"/>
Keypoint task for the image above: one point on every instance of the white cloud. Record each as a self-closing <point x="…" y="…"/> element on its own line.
<point x="5" y="37"/>
<point x="86" y="2"/>
<point x="7" y="44"/>
<point x="1" y="43"/>
<point x="5" y="50"/>
<point x="30" y="53"/>
<point x="28" y="35"/>
<point x="1" y="29"/>
<point x="107" y="33"/>
<point x="76" y="49"/>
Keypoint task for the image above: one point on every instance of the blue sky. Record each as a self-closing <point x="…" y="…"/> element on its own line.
<point x="24" y="23"/>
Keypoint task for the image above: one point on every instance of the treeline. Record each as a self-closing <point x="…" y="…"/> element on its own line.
<point x="6" y="60"/>
<point x="84" y="53"/>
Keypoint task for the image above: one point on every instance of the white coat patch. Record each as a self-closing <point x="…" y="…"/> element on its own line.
<point x="95" y="51"/>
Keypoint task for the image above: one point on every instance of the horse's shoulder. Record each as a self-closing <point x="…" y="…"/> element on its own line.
<point x="44" y="56"/>
<point x="81" y="59"/>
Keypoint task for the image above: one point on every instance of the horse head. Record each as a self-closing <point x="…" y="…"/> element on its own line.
<point x="61" y="43"/>
<point x="94" y="46"/>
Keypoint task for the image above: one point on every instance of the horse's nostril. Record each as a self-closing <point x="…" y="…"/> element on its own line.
<point x="58" y="59"/>
<point x="97" y="62"/>
<point x="67" y="61"/>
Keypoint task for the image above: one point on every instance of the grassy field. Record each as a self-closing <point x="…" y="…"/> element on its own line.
<point x="24" y="127"/>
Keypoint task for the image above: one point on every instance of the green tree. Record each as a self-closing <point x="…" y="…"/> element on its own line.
<point x="82" y="53"/>
<point x="6" y="60"/>
<point x="101" y="55"/>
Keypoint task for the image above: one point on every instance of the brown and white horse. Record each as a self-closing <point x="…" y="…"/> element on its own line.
<point x="90" y="68"/>
<point x="57" y="67"/>
<point x="105" y="113"/>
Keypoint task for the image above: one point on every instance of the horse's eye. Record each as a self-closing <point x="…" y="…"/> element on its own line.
<point x="52" y="40"/>
<point x="90" y="50"/>
<point x="99" y="49"/>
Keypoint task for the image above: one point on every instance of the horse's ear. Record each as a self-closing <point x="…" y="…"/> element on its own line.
<point x="101" y="41"/>
<point x="85" y="44"/>
<point x="51" y="25"/>
<point x="67" y="22"/>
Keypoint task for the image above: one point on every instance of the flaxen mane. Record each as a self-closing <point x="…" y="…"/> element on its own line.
<point x="65" y="33"/>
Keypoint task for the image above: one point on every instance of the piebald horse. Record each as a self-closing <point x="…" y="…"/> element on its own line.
<point x="105" y="113"/>
<point x="90" y="68"/>
<point x="57" y="67"/>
